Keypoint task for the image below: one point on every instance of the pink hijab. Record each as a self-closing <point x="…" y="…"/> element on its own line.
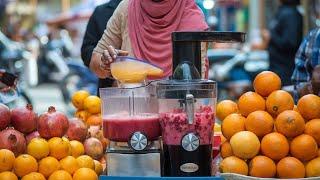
<point x="151" y="24"/>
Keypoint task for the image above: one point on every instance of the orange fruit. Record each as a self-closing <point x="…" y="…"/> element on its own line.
<point x="262" y="166"/>
<point x="225" y="108"/>
<point x="290" y="167"/>
<point x="7" y="175"/>
<point x="85" y="161"/>
<point x="313" y="129"/>
<point x="259" y="122"/>
<point x="226" y="150"/>
<point x="266" y="82"/>
<point x="85" y="174"/>
<point x="232" y="124"/>
<point x="48" y="165"/>
<point x="78" y="98"/>
<point x="250" y="102"/>
<point x="304" y="147"/>
<point x="92" y="104"/>
<point x="59" y="147"/>
<point x="38" y="148"/>
<point x="295" y="108"/>
<point x="223" y="139"/>
<point x="69" y="164"/>
<point x="234" y="164"/>
<point x="290" y="123"/>
<point x="245" y="144"/>
<point x="77" y="148"/>
<point x="313" y="168"/>
<point x="319" y="152"/>
<point x="25" y="164"/>
<point x="98" y="167"/>
<point x="81" y="114"/>
<point x="275" y="146"/>
<point x="279" y="101"/>
<point x="60" y="175"/>
<point x="33" y="176"/>
<point x="94" y="120"/>
<point x="308" y="106"/>
<point x="6" y="160"/>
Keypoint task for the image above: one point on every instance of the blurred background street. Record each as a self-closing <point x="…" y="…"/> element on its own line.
<point x="46" y="95"/>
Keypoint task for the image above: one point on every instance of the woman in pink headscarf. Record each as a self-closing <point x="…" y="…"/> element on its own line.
<point x="142" y="29"/>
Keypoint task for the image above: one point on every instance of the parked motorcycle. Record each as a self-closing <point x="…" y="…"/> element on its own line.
<point x="234" y="70"/>
<point x="51" y="62"/>
<point x="56" y="64"/>
<point x="14" y="59"/>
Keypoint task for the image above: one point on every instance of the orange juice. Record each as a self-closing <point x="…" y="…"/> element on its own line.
<point x="133" y="71"/>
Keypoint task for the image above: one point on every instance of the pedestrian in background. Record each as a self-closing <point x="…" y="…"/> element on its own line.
<point x="283" y="39"/>
<point x="306" y="74"/>
<point x="95" y="28"/>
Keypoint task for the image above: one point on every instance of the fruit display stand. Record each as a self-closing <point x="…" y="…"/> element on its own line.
<point x="233" y="176"/>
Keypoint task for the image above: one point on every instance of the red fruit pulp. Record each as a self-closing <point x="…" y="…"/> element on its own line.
<point x="175" y="125"/>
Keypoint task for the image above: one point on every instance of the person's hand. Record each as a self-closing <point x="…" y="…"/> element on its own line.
<point x="265" y="34"/>
<point x="110" y="55"/>
<point x="100" y="64"/>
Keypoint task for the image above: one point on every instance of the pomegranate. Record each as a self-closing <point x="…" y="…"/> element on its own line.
<point x="5" y="116"/>
<point x="13" y="140"/>
<point x="52" y="124"/>
<point x="77" y="130"/>
<point x="32" y="135"/>
<point x="94" y="131"/>
<point x="93" y="147"/>
<point x="24" y="119"/>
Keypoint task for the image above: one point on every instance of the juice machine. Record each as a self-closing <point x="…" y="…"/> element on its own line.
<point x="187" y="106"/>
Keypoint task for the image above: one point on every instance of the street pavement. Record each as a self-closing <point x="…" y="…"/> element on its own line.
<point x="46" y="95"/>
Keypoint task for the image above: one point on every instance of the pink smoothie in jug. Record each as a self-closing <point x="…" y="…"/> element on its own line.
<point x="121" y="127"/>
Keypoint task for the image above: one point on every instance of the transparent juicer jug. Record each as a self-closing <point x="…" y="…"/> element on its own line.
<point x="131" y="123"/>
<point x="186" y="110"/>
<point x="130" y="110"/>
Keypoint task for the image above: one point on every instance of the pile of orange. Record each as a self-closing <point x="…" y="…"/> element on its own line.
<point x="55" y="159"/>
<point x="88" y="107"/>
<point x="267" y="135"/>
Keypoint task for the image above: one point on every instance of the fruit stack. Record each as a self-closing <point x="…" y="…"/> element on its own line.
<point x="55" y="159"/>
<point x="89" y="111"/>
<point x="266" y="135"/>
<point x="46" y="146"/>
<point x="88" y="107"/>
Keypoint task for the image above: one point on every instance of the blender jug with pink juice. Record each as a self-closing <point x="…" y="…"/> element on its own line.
<point x="131" y="123"/>
<point x="186" y="109"/>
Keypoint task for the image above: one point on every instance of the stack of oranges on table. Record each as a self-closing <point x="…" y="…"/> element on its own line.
<point x="88" y="107"/>
<point x="266" y="135"/>
<point x="55" y="159"/>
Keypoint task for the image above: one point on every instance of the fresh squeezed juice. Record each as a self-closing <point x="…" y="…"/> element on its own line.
<point x="174" y="126"/>
<point x="120" y="128"/>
